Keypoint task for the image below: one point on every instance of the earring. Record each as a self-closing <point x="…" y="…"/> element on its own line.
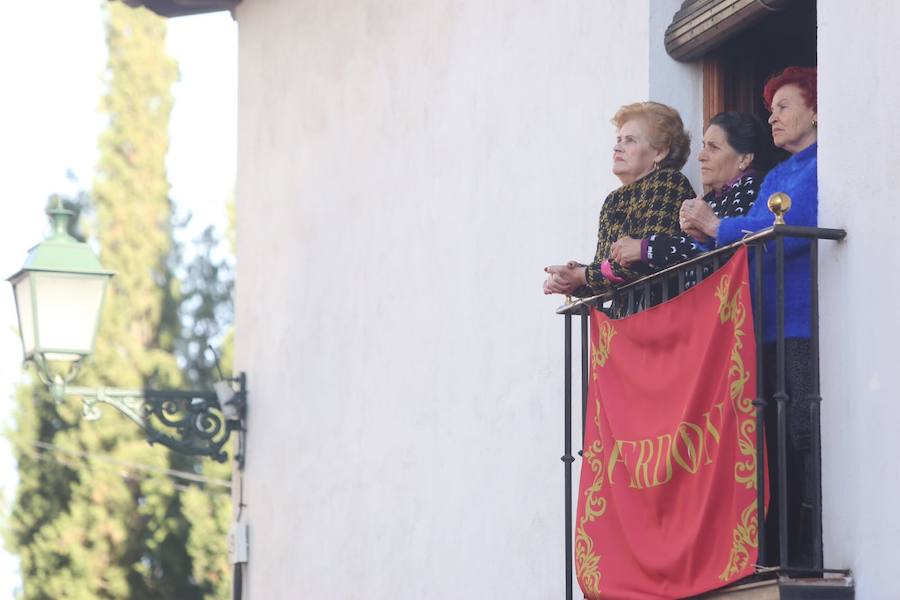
<point x="815" y="123"/>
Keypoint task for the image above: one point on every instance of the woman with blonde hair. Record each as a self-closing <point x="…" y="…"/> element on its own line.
<point x="651" y="148"/>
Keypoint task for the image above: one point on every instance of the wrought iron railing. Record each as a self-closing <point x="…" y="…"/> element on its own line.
<point x="669" y="283"/>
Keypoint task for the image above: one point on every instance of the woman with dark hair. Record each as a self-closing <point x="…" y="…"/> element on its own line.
<point x="651" y="146"/>
<point x="791" y="95"/>
<point x="732" y="148"/>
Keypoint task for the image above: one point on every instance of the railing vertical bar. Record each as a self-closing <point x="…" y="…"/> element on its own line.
<point x="585" y="345"/>
<point x="760" y="404"/>
<point x="646" y="296"/>
<point x="815" y="401"/>
<point x="698" y="272"/>
<point x="665" y="288"/>
<point x="630" y="302"/>
<point x="781" y="398"/>
<point x="567" y="456"/>
<point x="680" y="280"/>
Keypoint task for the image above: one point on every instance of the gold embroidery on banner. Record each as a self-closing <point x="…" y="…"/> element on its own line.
<point x="745" y="534"/>
<point x="744" y="538"/>
<point x="600" y="351"/>
<point x="587" y="563"/>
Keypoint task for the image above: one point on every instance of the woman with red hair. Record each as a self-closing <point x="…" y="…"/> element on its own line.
<point x="791" y="96"/>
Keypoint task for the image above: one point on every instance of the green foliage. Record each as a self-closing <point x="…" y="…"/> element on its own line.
<point x="206" y="314"/>
<point x="206" y="309"/>
<point x="97" y="513"/>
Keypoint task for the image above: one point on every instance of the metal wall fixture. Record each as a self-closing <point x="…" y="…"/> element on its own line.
<point x="59" y="297"/>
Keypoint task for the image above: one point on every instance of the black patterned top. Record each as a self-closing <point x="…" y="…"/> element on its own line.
<point x="637" y="209"/>
<point x="662" y="250"/>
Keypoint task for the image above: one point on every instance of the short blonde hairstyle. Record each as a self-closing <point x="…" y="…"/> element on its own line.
<point x="666" y="130"/>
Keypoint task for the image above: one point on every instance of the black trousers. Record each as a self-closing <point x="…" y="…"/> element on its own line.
<point x="800" y="489"/>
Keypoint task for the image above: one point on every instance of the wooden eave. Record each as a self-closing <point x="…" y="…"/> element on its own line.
<point x="182" y="8"/>
<point x="701" y="25"/>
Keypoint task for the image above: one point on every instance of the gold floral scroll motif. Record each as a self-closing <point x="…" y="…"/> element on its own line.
<point x="600" y="351"/>
<point x="587" y="561"/>
<point x="746" y="533"/>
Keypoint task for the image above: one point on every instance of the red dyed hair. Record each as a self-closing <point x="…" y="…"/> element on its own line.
<point x="803" y="77"/>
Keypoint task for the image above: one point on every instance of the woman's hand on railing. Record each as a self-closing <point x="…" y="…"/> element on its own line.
<point x="626" y="251"/>
<point x="698" y="220"/>
<point x="564" y="279"/>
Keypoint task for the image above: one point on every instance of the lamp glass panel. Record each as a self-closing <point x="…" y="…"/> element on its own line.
<point x="68" y="307"/>
<point x="22" y="291"/>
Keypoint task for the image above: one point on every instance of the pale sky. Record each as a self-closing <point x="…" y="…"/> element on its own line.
<point x="52" y="55"/>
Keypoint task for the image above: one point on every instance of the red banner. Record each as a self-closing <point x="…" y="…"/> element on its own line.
<point x="667" y="501"/>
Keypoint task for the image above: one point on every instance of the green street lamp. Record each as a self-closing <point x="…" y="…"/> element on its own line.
<point x="59" y="297"/>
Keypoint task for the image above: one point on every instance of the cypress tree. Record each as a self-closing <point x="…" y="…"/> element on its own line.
<point x="97" y="514"/>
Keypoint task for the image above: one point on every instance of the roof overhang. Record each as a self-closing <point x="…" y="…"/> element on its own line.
<point x="181" y="8"/>
<point x="701" y="25"/>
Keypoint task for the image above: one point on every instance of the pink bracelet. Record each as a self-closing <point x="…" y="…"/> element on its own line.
<point x="606" y="271"/>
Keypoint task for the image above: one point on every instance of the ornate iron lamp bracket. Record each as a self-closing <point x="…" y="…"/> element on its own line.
<point x="194" y="422"/>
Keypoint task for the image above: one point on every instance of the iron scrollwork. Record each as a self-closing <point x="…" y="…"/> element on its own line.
<point x="191" y="422"/>
<point x="195" y="416"/>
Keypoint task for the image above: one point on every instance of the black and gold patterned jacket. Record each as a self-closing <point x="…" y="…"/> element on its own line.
<point x="734" y="200"/>
<point x="641" y="208"/>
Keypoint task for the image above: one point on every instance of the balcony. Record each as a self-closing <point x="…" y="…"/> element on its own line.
<point x="781" y="579"/>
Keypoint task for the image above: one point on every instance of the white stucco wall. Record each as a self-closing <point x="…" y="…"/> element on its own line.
<point x="675" y="83"/>
<point x="406" y="169"/>
<point x="859" y="123"/>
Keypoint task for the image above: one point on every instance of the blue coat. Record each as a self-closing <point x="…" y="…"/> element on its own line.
<point x="797" y="178"/>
